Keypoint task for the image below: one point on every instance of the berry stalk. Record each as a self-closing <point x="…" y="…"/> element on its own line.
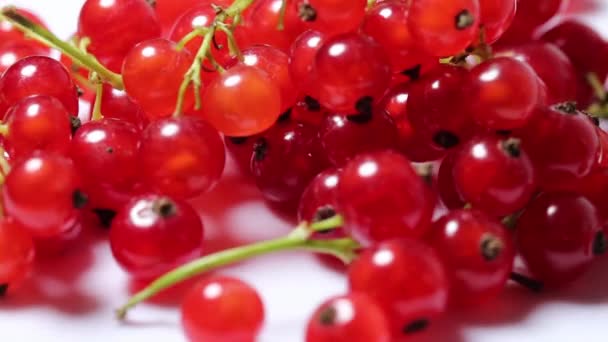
<point x="299" y="239"/>
<point x="44" y="36"/>
<point x="193" y="75"/>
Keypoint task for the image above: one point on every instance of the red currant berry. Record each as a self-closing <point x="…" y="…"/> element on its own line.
<point x="59" y="244"/>
<point x="170" y="11"/>
<point x="406" y="278"/>
<point x="349" y="69"/>
<point x="153" y="72"/>
<point x="494" y="175"/>
<point x="343" y="137"/>
<point x="351" y="318"/>
<point x="558" y="236"/>
<point x="545" y="58"/>
<point x="222" y="309"/>
<point x="444" y="28"/>
<point x="153" y="234"/>
<point x="257" y="108"/>
<point x="115" y="26"/>
<point x="436" y="107"/>
<point x="106" y="151"/>
<point x="181" y="157"/>
<point x="38" y="123"/>
<point x="477" y="252"/>
<point x="285" y="160"/>
<point x="382" y="197"/>
<point x="562" y="144"/>
<point x="10" y="34"/>
<point x="241" y="150"/>
<point x="39" y="75"/>
<point x="386" y="23"/>
<point x="42" y="194"/>
<point x="502" y="92"/>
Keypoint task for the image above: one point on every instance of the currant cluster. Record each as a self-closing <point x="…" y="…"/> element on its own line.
<point x="425" y="142"/>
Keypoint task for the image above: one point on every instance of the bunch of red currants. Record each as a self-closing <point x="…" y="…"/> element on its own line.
<point x="425" y="142"/>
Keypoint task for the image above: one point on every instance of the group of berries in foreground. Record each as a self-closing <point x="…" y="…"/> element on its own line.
<point x="326" y="104"/>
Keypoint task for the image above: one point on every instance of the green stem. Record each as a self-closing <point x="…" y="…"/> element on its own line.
<point x="199" y="32"/>
<point x="3" y="129"/>
<point x="97" y="115"/>
<point x="193" y="75"/>
<point x="42" y="35"/>
<point x="298" y="239"/>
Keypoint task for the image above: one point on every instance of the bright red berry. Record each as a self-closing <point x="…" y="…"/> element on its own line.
<point x="406" y="278"/>
<point x="16" y="255"/>
<point x="351" y="318"/>
<point x="222" y="309"/>
<point x="153" y="234"/>
<point x="477" y="253"/>
<point x="558" y="236"/>
<point x="382" y="197"/>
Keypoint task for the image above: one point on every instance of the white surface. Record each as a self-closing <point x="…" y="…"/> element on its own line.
<point x="72" y="299"/>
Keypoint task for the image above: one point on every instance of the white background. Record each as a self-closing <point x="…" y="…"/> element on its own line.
<point x="72" y="298"/>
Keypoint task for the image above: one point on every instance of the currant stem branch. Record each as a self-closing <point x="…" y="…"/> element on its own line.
<point x="97" y="115"/>
<point x="299" y="239"/>
<point x="42" y="35"/>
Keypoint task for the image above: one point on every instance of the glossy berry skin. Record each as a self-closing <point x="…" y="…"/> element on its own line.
<point x="57" y="245"/>
<point x="343" y="137"/>
<point x="222" y="309"/>
<point x="477" y="253"/>
<point x="106" y="150"/>
<point x="386" y="23"/>
<point x="38" y="75"/>
<point x="153" y="72"/>
<point x="181" y="157"/>
<point x="319" y="200"/>
<point x="496" y="16"/>
<point x="257" y="109"/>
<point x="10" y="53"/>
<point x="116" y="104"/>
<point x="333" y="17"/>
<point x="16" y="254"/>
<point x="545" y="58"/>
<point x="153" y="234"/>
<point x="285" y="160"/>
<point x="446" y="30"/>
<point x="350" y="68"/>
<point x="494" y="175"/>
<point x="170" y="11"/>
<point x="561" y="143"/>
<point x="39" y="194"/>
<point x="241" y="150"/>
<point x="114" y="27"/>
<point x="276" y="65"/>
<point x="350" y="318"/>
<point x="382" y="197"/>
<point x="406" y="278"/>
<point x="436" y="107"/>
<point x="301" y="57"/>
<point x="38" y="122"/>
<point x="557" y="237"/>
<point x="502" y="93"/>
